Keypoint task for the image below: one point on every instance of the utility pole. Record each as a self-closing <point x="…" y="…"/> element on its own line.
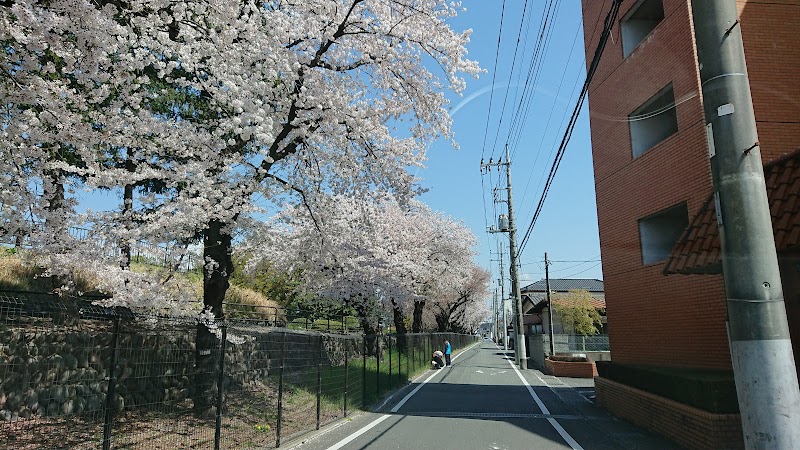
<point x="503" y="300"/>
<point x="549" y="304"/>
<point x="494" y="317"/>
<point x="761" y="351"/>
<point x="519" y="333"/>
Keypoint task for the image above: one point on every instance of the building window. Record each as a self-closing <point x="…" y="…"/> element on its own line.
<point x="660" y="231"/>
<point x="653" y="122"/>
<point x="639" y="22"/>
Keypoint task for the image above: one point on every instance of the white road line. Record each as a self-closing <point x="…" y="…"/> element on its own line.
<point x="358" y="433"/>
<point x="561" y="431"/>
<point x="402" y="402"/>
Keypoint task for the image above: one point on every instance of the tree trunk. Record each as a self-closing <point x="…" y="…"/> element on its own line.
<point x="363" y="310"/>
<point x="416" y="324"/>
<point x="442" y="320"/>
<point x="127" y="211"/>
<point x="218" y="267"/>
<point x="56" y="220"/>
<point x="399" y="326"/>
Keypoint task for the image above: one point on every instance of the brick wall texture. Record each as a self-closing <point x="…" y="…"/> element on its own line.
<point x="689" y="427"/>
<point x="677" y="320"/>
<point x="570" y="369"/>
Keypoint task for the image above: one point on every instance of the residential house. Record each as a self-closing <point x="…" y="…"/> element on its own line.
<point x="535" y="305"/>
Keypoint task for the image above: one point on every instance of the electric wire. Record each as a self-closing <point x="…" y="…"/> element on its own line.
<point x="608" y="25"/>
<point x="494" y="75"/>
<point x="535" y="57"/>
<point x="534" y="74"/>
<point x="510" y="75"/>
<point x="553" y="108"/>
<point x="582" y="271"/>
<point x="564" y="115"/>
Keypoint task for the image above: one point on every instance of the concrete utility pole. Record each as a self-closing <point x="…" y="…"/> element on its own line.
<point x="761" y="352"/>
<point x="519" y="334"/>
<point x="502" y="293"/>
<point x="549" y="304"/>
<point x="495" y="335"/>
<point x="503" y="300"/>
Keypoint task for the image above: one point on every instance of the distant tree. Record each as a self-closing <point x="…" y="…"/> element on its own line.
<point x="577" y="313"/>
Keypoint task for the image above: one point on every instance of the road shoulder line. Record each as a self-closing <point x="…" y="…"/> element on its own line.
<point x="375" y="422"/>
<point x="561" y="431"/>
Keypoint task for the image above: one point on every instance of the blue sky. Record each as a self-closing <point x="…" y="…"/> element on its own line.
<point x="567" y="226"/>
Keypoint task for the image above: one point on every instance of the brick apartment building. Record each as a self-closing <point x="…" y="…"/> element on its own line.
<point x="666" y="303"/>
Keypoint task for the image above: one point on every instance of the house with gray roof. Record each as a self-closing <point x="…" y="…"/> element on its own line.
<point x="534" y="300"/>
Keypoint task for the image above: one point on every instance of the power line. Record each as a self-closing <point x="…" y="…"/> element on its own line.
<point x="582" y="271"/>
<point x="573" y="266"/>
<point x="494" y="75"/>
<point x="565" y="114"/>
<point x="553" y="108"/>
<point x="534" y="72"/>
<point x="510" y="74"/>
<point x="609" y="23"/>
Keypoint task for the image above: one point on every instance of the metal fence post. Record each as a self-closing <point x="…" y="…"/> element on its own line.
<point x="389" y="352"/>
<point x="399" y="366"/>
<point x="364" y="373"/>
<point x="429" y="346"/>
<point x="378" y="366"/>
<point x="110" y="389"/>
<point x="414" y="352"/>
<point x="346" y="365"/>
<point x="280" y="391"/>
<point x="319" y="378"/>
<point x="220" y="381"/>
<point x="400" y="361"/>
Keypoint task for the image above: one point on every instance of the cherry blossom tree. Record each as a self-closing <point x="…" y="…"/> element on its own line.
<point x="365" y="252"/>
<point x="220" y="103"/>
<point x="456" y="310"/>
<point x="220" y="100"/>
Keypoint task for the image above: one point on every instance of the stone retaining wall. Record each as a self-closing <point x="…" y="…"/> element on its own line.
<point x="61" y="372"/>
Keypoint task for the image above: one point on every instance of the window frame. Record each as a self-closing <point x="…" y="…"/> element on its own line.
<point x="627" y="17"/>
<point x="673" y="111"/>
<point x="683" y="206"/>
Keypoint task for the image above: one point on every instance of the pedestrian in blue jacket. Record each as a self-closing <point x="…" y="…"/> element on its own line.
<point x="447" y="352"/>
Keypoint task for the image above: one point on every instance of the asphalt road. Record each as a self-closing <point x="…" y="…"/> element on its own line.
<point x="482" y="402"/>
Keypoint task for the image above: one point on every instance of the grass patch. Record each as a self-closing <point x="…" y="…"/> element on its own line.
<point x="332" y="325"/>
<point x="17" y="276"/>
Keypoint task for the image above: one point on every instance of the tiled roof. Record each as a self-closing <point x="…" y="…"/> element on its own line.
<point x="566" y="284"/>
<point x="698" y="249"/>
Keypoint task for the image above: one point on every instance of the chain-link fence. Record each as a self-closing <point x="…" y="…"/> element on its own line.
<point x="75" y="375"/>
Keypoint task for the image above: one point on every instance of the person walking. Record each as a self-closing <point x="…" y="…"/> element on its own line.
<point x="447" y="350"/>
